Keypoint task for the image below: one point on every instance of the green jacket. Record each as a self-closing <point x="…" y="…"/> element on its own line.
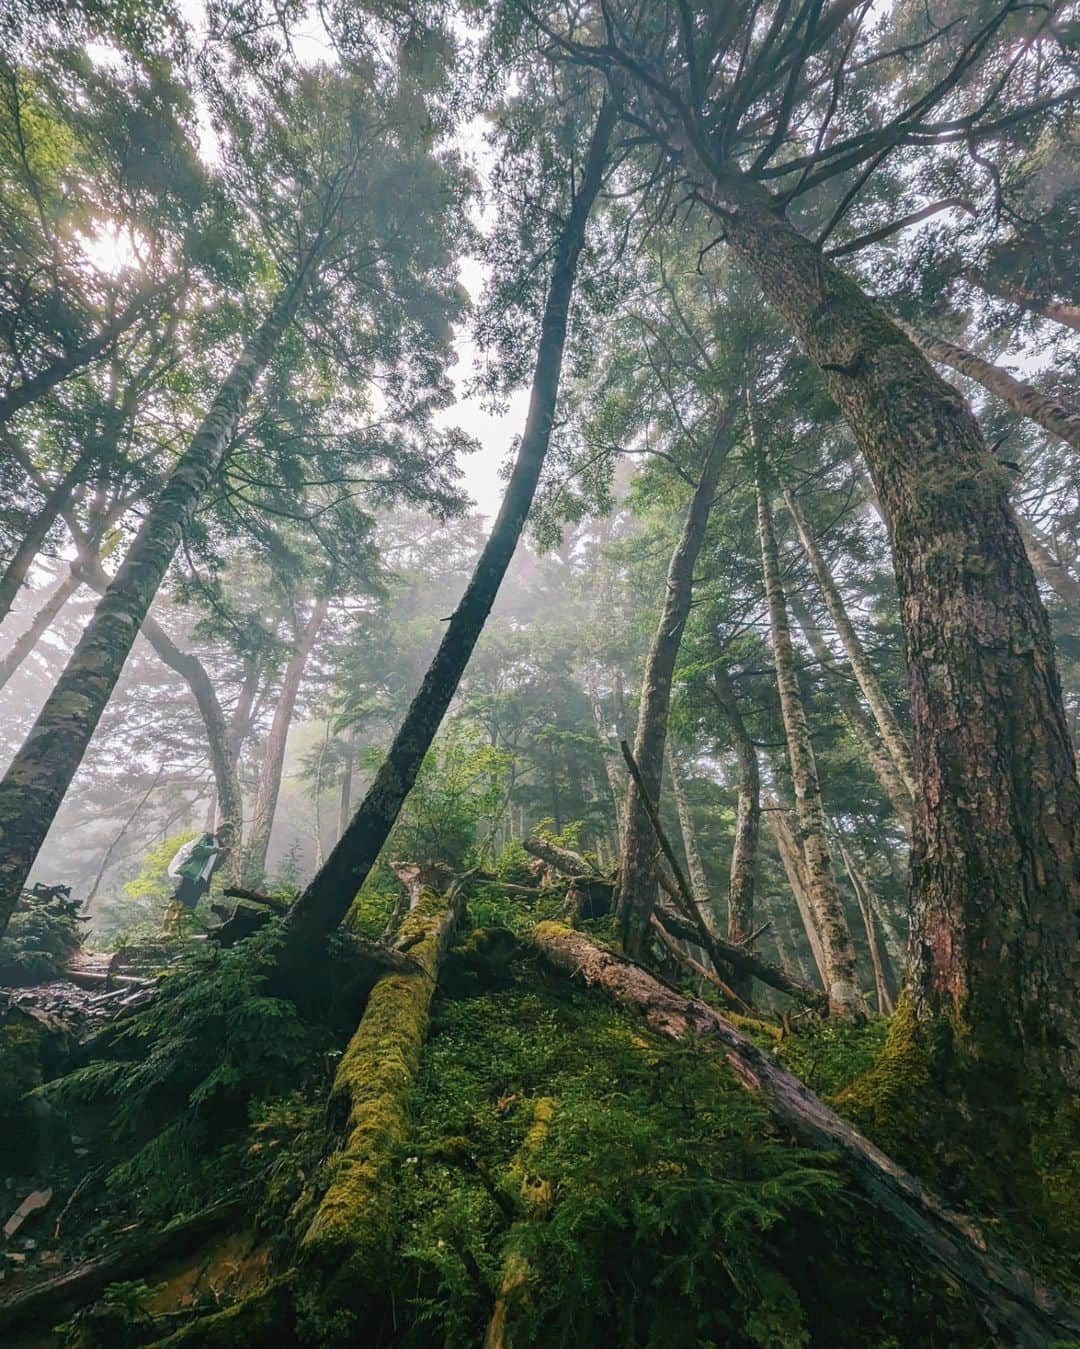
<point x="195" y="863"/>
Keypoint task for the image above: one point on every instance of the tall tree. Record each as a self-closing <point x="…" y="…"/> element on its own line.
<point x="838" y="950"/>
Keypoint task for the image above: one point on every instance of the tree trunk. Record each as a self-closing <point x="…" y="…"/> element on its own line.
<point x="1055" y="310"/>
<point x="637" y="891"/>
<point x="881" y="761"/>
<point x="41" y="772"/>
<point x="349" y="1241"/>
<point x="699" y="884"/>
<point x="345" y="799"/>
<point x="995" y="877"/>
<point x="1012" y="1303"/>
<point x="192" y="671"/>
<point x="611" y="770"/>
<point x="838" y="950"/>
<point x="327" y="898"/>
<point x="64" y="366"/>
<point x="744" y="851"/>
<point x="884" y="984"/>
<point x="41" y="622"/>
<point x="14" y="575"/>
<point x="893" y="737"/>
<point x="1014" y="393"/>
<point x="787" y="845"/>
<point x="262" y="816"/>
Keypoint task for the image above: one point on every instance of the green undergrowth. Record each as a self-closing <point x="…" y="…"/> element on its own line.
<point x="41" y="937"/>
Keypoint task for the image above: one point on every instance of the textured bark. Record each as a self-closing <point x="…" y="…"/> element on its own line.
<point x="41" y="771"/>
<point x="837" y="948"/>
<point x="1054" y="573"/>
<point x="995" y="882"/>
<point x="41" y="622"/>
<point x="1012" y="1303"/>
<point x="891" y="734"/>
<point x="787" y="845"/>
<point x="327" y="898"/>
<point x="637" y="888"/>
<point x="349" y="1240"/>
<point x="1013" y="392"/>
<point x="1055" y="310"/>
<point x="262" y="815"/>
<point x="15" y="573"/>
<point x="881" y="761"/>
<point x="65" y="366"/>
<point x="744" y="851"/>
<point x="562" y="859"/>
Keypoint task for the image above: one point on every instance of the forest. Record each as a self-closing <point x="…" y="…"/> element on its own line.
<point x="539" y="673"/>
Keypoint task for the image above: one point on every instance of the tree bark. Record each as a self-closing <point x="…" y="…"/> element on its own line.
<point x="41" y="772"/>
<point x="1014" y="393"/>
<point x="637" y="890"/>
<point x="837" y="948"/>
<point x="883" y="985"/>
<point x="327" y="898"/>
<point x="891" y="734"/>
<point x="995" y="875"/>
<point x="1055" y="310"/>
<point x="262" y="816"/>
<point x="1012" y="1303"/>
<point x="744" y="851"/>
<point x="882" y="763"/>
<point x="41" y="622"/>
<point x="787" y="845"/>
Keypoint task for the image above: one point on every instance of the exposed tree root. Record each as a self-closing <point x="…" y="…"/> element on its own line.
<point x="1011" y="1302"/>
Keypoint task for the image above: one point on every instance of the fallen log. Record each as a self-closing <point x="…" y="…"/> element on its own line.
<point x="562" y="859"/>
<point x="1013" y="1304"/>
<point x="50" y="1300"/>
<point x="536" y="1199"/>
<point x="349" y="1242"/>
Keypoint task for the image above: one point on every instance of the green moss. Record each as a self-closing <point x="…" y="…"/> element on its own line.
<point x="258" y="1322"/>
<point x="350" y="1238"/>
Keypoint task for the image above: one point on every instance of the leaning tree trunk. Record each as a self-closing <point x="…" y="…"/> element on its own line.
<point x="794" y="864"/>
<point x="893" y="737"/>
<point x="1057" y="311"/>
<point x="995" y="872"/>
<point x="637" y="877"/>
<point x="330" y="893"/>
<point x="15" y="573"/>
<point x="699" y="882"/>
<point x="744" y="850"/>
<point x="262" y="816"/>
<point x="841" y="969"/>
<point x="881" y="761"/>
<point x="1056" y="575"/>
<point x="884" y="986"/>
<point x="41" y="622"/>
<point x="63" y="367"/>
<point x="41" y="772"/>
<point x="1014" y="393"/>
<point x="1015" y="1307"/>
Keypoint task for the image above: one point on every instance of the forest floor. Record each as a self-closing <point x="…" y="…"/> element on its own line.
<point x="566" y="1175"/>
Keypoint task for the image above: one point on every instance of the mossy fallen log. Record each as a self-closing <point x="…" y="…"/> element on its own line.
<point x="1013" y="1304"/>
<point x="349" y="1241"/>
<point x="260" y="1321"/>
<point x="536" y="1199"/>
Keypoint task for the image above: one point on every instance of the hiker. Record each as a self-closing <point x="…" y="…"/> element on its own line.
<point x="191" y="868"/>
